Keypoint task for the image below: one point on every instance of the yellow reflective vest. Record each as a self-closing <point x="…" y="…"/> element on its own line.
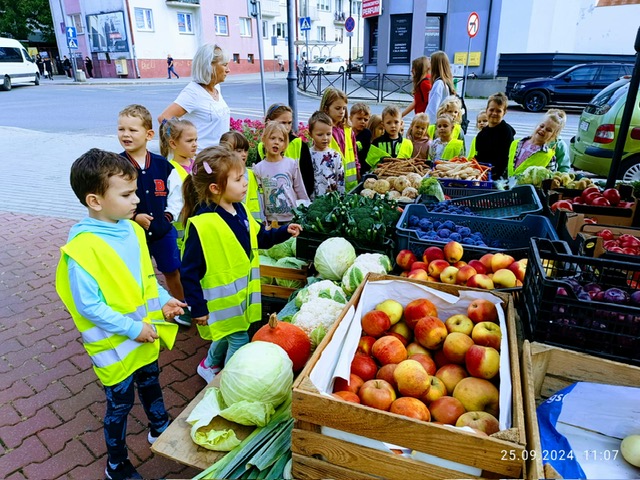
<point x="472" y="149"/>
<point x="541" y="158"/>
<point x="115" y="357"/>
<point x="177" y="223"/>
<point x="253" y="198"/>
<point x="454" y="148"/>
<point x="294" y="149"/>
<point x="348" y="160"/>
<point x="231" y="283"/>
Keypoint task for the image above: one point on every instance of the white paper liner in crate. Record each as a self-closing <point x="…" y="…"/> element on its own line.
<point x="335" y="360"/>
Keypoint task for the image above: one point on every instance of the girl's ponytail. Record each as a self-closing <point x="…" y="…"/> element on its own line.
<point x="190" y="197"/>
<point x="164" y="139"/>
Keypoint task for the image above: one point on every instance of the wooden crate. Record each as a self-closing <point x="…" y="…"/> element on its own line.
<point x="547" y="369"/>
<point x="319" y="456"/>
<point x="277" y="291"/>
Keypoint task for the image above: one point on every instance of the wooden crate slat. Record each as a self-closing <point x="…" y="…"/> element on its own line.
<point x="307" y="468"/>
<point x="365" y="459"/>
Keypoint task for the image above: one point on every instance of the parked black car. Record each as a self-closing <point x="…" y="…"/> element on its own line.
<point x="356" y="65"/>
<point x="577" y="85"/>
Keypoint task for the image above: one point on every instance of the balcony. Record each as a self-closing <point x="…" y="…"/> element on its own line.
<point x="339" y="17"/>
<point x="271" y="8"/>
<point x="183" y="3"/>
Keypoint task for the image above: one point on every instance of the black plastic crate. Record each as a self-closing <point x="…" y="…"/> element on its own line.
<point x="308" y="242"/>
<point x="603" y="329"/>
<point x="512" y="236"/>
<point x="514" y="203"/>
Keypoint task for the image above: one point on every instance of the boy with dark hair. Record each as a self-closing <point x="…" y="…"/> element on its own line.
<point x="159" y="191"/>
<point x="106" y="281"/>
<point x="493" y="141"/>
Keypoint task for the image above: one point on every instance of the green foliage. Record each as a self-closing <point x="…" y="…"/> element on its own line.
<point x="19" y="19"/>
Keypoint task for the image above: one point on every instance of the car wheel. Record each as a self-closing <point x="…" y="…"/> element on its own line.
<point x="630" y="170"/>
<point x="535" y="101"/>
<point x="37" y="80"/>
<point x="341" y="70"/>
<point x="6" y="84"/>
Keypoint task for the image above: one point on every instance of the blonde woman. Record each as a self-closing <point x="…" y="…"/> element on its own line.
<point x="441" y="82"/>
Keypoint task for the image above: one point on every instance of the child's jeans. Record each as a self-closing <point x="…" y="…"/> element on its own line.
<point x="221" y="350"/>
<point x="120" y="399"/>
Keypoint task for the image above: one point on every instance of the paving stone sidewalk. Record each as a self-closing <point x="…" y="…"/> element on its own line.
<point x="51" y="403"/>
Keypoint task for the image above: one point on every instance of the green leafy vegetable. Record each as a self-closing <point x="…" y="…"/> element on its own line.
<point x="290" y="262"/>
<point x="333" y="257"/>
<point x="431" y="186"/>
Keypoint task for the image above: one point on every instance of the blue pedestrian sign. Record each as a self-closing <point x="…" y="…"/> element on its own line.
<point x="72" y="37"/>
<point x="72" y="43"/>
<point x="305" y="24"/>
<point x="349" y="24"/>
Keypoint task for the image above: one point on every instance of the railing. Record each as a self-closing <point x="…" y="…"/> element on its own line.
<point x="188" y="2"/>
<point x="372" y="87"/>
<point x="339" y="17"/>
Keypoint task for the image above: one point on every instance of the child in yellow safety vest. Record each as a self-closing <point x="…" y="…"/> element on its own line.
<point x="445" y="146"/>
<point x="391" y="143"/>
<point x="220" y="262"/>
<point x="106" y="280"/>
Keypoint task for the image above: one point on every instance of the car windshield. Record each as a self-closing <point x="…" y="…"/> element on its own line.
<point x="320" y="60"/>
<point x="611" y="94"/>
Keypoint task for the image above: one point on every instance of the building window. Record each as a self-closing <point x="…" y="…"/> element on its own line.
<point x="324" y="5"/>
<point x="339" y="35"/>
<point x="338" y="6"/>
<point x="250" y="58"/>
<point x="265" y="29"/>
<point x="245" y="27"/>
<point x="222" y="25"/>
<point x="322" y="34"/>
<point x="236" y="58"/>
<point x="76" y="20"/>
<point x="280" y="30"/>
<point x="185" y="23"/>
<point x="144" y="19"/>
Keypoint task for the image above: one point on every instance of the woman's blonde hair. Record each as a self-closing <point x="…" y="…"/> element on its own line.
<point x="422" y="118"/>
<point x="274" y="127"/>
<point x="329" y="96"/>
<point x="421" y="67"/>
<point x="202" y="69"/>
<point x="441" y="69"/>
<point x="172" y="129"/>
<point x="212" y="165"/>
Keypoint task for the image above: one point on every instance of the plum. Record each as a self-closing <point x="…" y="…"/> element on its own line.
<point x="615" y="295"/>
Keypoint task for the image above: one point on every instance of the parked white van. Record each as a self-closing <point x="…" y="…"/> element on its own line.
<point x="16" y="65"/>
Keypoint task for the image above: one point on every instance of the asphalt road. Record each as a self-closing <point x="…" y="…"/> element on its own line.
<point x="44" y="128"/>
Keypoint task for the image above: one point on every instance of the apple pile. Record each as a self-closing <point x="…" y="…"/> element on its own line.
<point x="625" y="243"/>
<point x="593" y="196"/>
<point x="445" y="265"/>
<point x="412" y="363"/>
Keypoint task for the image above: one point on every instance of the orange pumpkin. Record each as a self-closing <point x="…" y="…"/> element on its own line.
<point x="290" y="337"/>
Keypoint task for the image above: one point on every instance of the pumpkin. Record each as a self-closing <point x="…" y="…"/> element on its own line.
<point x="290" y="337"/>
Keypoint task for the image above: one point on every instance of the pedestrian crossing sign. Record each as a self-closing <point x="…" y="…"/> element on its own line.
<point x="72" y="43"/>
<point x="305" y="23"/>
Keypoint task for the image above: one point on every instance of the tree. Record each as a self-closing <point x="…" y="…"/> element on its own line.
<point x="19" y="19"/>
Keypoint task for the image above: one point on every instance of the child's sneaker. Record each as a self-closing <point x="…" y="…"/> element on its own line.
<point x="122" y="471"/>
<point x="184" y="319"/>
<point x="154" y="434"/>
<point x="207" y="372"/>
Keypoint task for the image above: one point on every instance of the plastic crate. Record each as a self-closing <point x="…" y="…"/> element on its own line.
<point x="512" y="235"/>
<point x="308" y="242"/>
<point x="454" y="183"/>
<point x="602" y="329"/>
<point x="515" y="203"/>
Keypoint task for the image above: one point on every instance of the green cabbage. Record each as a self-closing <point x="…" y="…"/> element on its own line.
<point x="290" y="262"/>
<point x="281" y="250"/>
<point x="255" y="381"/>
<point x="533" y="176"/>
<point x="431" y="186"/>
<point x="321" y="289"/>
<point x="264" y="260"/>
<point x="333" y="257"/>
<point x="365" y="263"/>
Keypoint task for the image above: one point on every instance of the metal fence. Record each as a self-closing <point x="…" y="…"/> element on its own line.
<point x="372" y="87"/>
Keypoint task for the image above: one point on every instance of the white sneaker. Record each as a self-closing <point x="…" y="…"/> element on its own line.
<point x="208" y="373"/>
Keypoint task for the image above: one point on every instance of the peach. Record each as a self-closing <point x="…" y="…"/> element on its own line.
<point x="430" y="332"/>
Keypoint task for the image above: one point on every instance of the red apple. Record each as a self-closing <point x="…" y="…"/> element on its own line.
<point x="405" y="259"/>
<point x="459" y="264"/>
<point x="412" y="379"/>
<point x="375" y="323"/>
<point x="347" y="396"/>
<point x="478" y="265"/>
<point x="352" y="385"/>
<point x="464" y="274"/>
<point x="365" y="344"/>
<point x="419" y="265"/>
<point x="478" y="395"/>
<point x="451" y="375"/>
<point x="501" y="260"/>
<point x="483" y="421"/>
<point x="417" y="309"/>
<point x="436" y="390"/>
<point x="449" y="275"/>
<point x="430" y="332"/>
<point x="418" y="274"/>
<point x="487" y="334"/>
<point x="519" y="269"/>
<point x="446" y="410"/>
<point x="459" y="323"/>
<point x="389" y="349"/>
<point x="453" y="251"/>
<point x="588" y="191"/>
<point x="612" y="195"/>
<point x="482" y="362"/>
<point x="402" y="329"/>
<point x="364" y="366"/>
<point x="436" y="267"/>
<point x="455" y="347"/>
<point x="411" y="407"/>
<point x="392" y="308"/>
<point x="440" y="358"/>
<point x="415" y="347"/>
<point x="481" y="280"/>
<point x="504" y="278"/>
<point x="386" y="373"/>
<point x="486" y="260"/>
<point x="481" y="310"/>
<point x="426" y="361"/>
<point x="432" y="253"/>
<point x="377" y="394"/>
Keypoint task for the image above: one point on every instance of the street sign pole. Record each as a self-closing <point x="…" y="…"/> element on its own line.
<point x="73" y="62"/>
<point x="258" y="14"/>
<point x="473" y="25"/>
<point x="466" y="69"/>
<point x="350" y="37"/>
<point x="292" y="75"/>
